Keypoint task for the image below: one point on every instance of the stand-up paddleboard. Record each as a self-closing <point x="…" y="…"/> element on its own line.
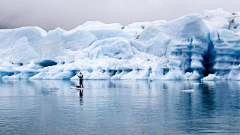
<point x="78" y="88"/>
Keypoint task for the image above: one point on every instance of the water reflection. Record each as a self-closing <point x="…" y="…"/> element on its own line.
<point x="81" y="96"/>
<point x="119" y="107"/>
<point x="208" y="98"/>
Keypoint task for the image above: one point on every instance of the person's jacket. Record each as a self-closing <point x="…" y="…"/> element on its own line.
<point x="80" y="76"/>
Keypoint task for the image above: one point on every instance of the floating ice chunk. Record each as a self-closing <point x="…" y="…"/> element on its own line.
<point x="210" y="77"/>
<point x="188" y="91"/>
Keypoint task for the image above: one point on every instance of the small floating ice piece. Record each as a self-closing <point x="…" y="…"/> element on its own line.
<point x="196" y="83"/>
<point x="188" y="91"/>
<point x="210" y="77"/>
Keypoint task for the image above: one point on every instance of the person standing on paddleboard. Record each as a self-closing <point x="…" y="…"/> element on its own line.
<point x="81" y="79"/>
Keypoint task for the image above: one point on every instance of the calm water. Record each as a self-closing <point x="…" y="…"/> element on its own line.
<point x="119" y="107"/>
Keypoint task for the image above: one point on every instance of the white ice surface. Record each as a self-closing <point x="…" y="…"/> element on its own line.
<point x="180" y="49"/>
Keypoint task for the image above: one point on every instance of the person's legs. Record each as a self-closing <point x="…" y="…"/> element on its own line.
<point x="81" y="84"/>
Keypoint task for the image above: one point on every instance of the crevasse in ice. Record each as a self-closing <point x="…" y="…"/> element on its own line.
<point x="195" y="46"/>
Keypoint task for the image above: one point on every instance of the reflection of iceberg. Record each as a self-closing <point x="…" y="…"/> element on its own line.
<point x="187" y="48"/>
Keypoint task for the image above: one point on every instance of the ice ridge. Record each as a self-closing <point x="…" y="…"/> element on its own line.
<point x="194" y="46"/>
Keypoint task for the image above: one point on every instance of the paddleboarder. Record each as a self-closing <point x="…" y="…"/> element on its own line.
<point x="80" y="75"/>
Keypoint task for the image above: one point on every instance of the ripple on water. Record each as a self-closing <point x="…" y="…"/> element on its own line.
<point x="119" y="107"/>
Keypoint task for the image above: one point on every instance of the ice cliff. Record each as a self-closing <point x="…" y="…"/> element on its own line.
<point x="191" y="47"/>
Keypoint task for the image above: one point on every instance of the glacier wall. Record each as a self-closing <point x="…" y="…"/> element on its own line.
<point x="190" y="47"/>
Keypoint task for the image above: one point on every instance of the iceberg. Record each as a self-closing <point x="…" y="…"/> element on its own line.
<point x="196" y="46"/>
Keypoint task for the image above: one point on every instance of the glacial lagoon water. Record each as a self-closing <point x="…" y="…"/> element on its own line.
<point x="119" y="107"/>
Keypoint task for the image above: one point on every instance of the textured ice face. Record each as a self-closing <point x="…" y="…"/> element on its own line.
<point x="189" y="47"/>
<point x="224" y="34"/>
<point x="118" y="48"/>
<point x="77" y="39"/>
